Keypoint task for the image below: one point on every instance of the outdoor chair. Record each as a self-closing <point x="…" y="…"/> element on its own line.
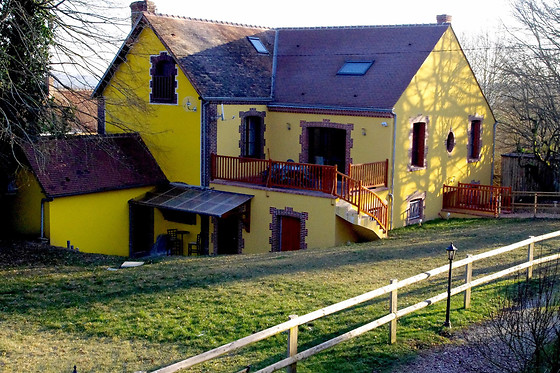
<point x="174" y="243"/>
<point x="195" y="247"/>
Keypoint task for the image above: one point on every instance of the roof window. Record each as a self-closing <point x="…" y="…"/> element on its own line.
<point x="355" y="68"/>
<point x="257" y="43"/>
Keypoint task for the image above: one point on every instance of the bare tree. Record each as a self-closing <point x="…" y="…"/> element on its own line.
<point x="46" y="44"/>
<point x="530" y="99"/>
<point x="524" y="335"/>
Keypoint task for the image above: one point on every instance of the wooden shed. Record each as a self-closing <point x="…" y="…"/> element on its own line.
<point x="523" y="172"/>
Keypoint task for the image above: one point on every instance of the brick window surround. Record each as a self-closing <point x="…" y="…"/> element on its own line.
<point x="474" y="145"/>
<point x="326" y="123"/>
<point x="163" y="79"/>
<point x="418" y="140"/>
<point x="274" y="239"/>
<point x="244" y="115"/>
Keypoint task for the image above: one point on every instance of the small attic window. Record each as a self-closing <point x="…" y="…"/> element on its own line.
<point x="355" y="68"/>
<point x="257" y="43"/>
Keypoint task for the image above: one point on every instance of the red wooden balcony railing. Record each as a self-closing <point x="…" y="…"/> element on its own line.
<point x="271" y="173"/>
<point x="304" y="176"/>
<point x="372" y="175"/>
<point x="478" y="198"/>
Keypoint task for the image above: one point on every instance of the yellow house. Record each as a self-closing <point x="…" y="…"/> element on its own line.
<point x="75" y="191"/>
<point x="291" y="138"/>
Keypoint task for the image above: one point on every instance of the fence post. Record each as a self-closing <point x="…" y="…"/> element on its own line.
<point x="468" y="279"/>
<point x="393" y="309"/>
<point x="535" y="206"/>
<point x="530" y="252"/>
<point x="292" y="344"/>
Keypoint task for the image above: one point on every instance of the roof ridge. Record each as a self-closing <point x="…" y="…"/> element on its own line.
<point x="211" y="21"/>
<point x="363" y="26"/>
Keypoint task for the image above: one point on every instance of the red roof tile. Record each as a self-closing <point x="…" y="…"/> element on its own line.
<point x="89" y="164"/>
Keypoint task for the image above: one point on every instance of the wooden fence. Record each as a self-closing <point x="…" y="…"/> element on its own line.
<point x="391" y="318"/>
<point x="477" y="198"/>
<point x="535" y="202"/>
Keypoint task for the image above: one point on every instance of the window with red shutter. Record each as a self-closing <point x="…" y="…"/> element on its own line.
<point x="474" y="143"/>
<point x="418" y="144"/>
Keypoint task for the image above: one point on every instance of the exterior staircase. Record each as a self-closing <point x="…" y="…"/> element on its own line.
<point x="350" y="213"/>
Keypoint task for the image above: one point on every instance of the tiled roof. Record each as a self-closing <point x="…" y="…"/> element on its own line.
<point x="309" y="59"/>
<point x="89" y="164"/>
<point x="217" y="57"/>
<point x="221" y="63"/>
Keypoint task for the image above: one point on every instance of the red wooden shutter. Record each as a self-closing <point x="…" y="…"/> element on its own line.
<point x="418" y="144"/>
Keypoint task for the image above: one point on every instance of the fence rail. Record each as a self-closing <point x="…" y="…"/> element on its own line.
<point x="480" y="198"/>
<point x="535" y="202"/>
<point x="393" y="315"/>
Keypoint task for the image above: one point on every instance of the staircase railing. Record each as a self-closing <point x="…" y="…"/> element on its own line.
<point x="367" y="202"/>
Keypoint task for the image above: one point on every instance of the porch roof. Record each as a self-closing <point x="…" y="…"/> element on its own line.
<point x="192" y="199"/>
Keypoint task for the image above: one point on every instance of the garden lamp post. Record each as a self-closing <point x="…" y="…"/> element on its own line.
<point x="451" y="250"/>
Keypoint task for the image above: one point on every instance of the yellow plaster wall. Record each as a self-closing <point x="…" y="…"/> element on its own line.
<point x="283" y="131"/>
<point x="171" y="132"/>
<point x="320" y="223"/>
<point x="445" y="91"/>
<point x="95" y="223"/>
<point x="25" y="206"/>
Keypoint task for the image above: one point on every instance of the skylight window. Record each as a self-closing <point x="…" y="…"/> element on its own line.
<point x="257" y="43"/>
<point x="355" y="68"/>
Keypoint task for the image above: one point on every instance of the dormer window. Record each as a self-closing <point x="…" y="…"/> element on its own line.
<point x="164" y="79"/>
<point x="356" y="68"/>
<point x="258" y="45"/>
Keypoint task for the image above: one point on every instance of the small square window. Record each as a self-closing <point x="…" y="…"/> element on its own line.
<point x="258" y="45"/>
<point x="356" y="68"/>
<point x="415" y="210"/>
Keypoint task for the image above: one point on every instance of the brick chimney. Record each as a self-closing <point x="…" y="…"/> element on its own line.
<point x="137" y="7"/>
<point x="443" y="18"/>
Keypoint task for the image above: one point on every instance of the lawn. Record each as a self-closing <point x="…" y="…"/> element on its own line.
<point x="60" y="308"/>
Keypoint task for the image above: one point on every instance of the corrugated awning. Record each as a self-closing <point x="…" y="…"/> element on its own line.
<point x="193" y="199"/>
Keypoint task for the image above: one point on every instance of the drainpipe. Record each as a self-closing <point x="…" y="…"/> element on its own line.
<point x="493" y="153"/>
<point x="391" y="194"/>
<point x="43" y="200"/>
<point x="203" y="144"/>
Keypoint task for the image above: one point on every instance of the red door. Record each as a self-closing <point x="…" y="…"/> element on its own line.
<point x="289" y="233"/>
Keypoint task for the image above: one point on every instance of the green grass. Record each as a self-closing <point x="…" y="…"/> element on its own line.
<point x="60" y="308"/>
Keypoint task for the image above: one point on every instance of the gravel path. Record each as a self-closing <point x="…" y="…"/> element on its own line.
<point x="458" y="356"/>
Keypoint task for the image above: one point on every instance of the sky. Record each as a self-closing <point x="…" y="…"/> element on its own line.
<point x="468" y="16"/>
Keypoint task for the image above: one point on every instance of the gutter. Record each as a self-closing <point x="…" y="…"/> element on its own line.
<point x="203" y="144"/>
<point x="391" y="194"/>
